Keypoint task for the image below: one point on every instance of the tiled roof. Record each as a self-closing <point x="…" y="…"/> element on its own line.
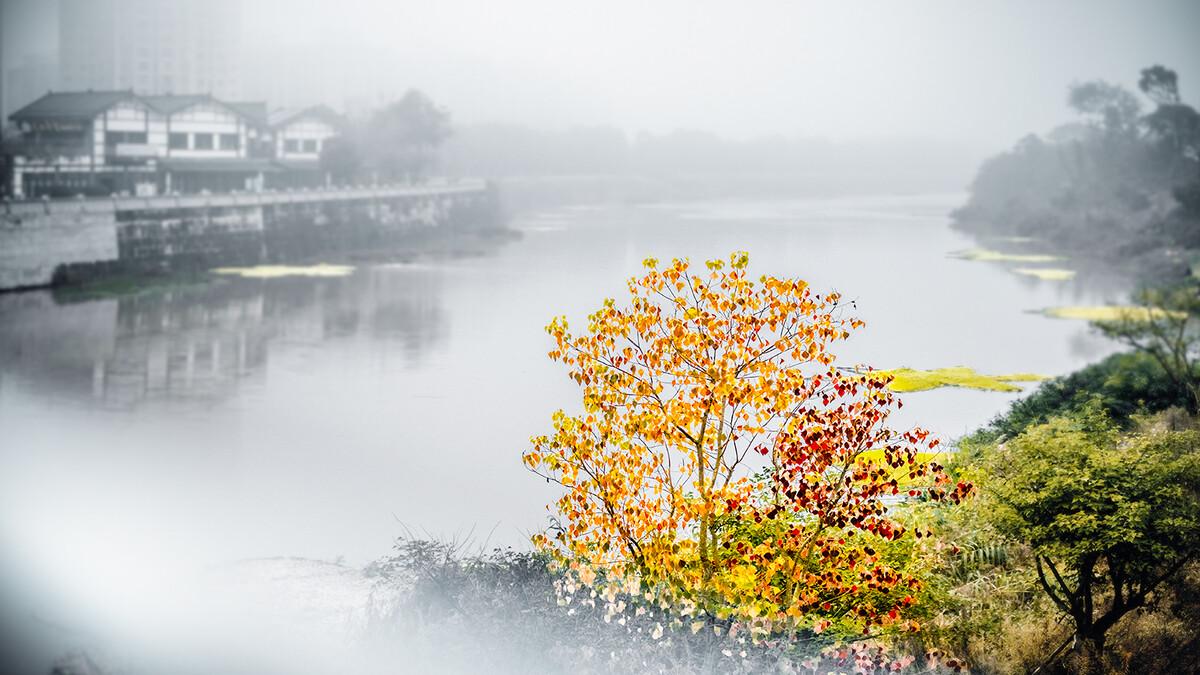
<point x="71" y="104"/>
<point x="255" y="111"/>
<point x="88" y="104"/>
<point x="170" y="103"/>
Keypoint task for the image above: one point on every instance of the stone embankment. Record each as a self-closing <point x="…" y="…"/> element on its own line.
<point x="63" y="241"/>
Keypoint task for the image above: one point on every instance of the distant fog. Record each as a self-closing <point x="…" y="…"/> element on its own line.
<point x="978" y="75"/>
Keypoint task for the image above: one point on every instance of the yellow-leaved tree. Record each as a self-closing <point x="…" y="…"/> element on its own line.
<point x="721" y="458"/>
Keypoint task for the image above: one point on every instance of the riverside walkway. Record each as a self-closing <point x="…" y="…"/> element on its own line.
<point x="123" y="203"/>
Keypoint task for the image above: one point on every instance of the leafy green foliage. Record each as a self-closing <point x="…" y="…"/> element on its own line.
<point x="1122" y="385"/>
<point x="1109" y="515"/>
<point x="981" y="590"/>
<point x="1168" y="335"/>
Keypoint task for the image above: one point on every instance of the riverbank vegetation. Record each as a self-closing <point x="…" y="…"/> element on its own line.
<point x="397" y="142"/>
<point x="1120" y="185"/>
<point x="732" y="501"/>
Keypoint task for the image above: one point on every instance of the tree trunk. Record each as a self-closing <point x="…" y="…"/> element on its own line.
<point x="1089" y="650"/>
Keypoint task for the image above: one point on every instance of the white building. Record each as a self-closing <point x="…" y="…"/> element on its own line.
<point x="103" y="142"/>
<point x="300" y="135"/>
<point x="85" y="142"/>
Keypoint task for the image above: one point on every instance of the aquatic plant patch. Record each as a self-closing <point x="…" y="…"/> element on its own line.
<point x="276" y="271"/>
<point x="1046" y="273"/>
<point x="1110" y="313"/>
<point x="128" y="285"/>
<point x="910" y="379"/>
<point x="988" y="255"/>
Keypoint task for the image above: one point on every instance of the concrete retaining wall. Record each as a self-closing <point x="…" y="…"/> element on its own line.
<point x="34" y="245"/>
<point x="67" y="241"/>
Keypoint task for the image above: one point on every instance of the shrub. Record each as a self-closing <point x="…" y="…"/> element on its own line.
<point x="1122" y="385"/>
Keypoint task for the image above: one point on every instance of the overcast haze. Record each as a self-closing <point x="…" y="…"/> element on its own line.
<point x="983" y="74"/>
<point x="278" y="394"/>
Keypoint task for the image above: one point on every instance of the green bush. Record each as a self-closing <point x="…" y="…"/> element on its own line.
<point x="1114" y="512"/>
<point x="1122" y="385"/>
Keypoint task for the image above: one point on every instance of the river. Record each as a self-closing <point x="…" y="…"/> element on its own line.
<point x="321" y="417"/>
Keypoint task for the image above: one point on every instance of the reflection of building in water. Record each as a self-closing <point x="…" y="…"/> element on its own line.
<point x="379" y="306"/>
<point x="173" y="346"/>
<point x="185" y="344"/>
<point x="52" y="348"/>
<point x="200" y="345"/>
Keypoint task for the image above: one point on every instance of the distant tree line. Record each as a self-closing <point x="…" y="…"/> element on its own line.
<point x="1119" y="182"/>
<point x="397" y="142"/>
<point x="507" y="150"/>
<point x="413" y="136"/>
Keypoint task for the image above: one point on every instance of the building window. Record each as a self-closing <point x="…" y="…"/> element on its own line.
<point x="229" y="142"/>
<point x="202" y="141"/>
<point x="310" y="145"/>
<point x="115" y="137"/>
<point x="178" y="142"/>
<point x="291" y="145"/>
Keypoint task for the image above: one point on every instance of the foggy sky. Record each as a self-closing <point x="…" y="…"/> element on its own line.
<point x="982" y="73"/>
<point x="979" y="73"/>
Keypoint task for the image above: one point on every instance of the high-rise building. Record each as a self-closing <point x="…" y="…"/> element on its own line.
<point x="3" y="73"/>
<point x="28" y="52"/>
<point x="29" y="78"/>
<point x="150" y="46"/>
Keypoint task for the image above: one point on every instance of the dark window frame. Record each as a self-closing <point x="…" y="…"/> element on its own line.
<point x="117" y="137"/>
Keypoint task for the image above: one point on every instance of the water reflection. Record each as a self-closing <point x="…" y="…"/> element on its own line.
<point x="200" y="344"/>
<point x="305" y="416"/>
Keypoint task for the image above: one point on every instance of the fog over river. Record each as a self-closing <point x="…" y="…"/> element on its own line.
<point x="317" y="417"/>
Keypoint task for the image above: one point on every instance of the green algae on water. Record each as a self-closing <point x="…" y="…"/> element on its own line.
<point x="1111" y="313"/>
<point x="129" y="285"/>
<point x="1046" y="273"/>
<point x="277" y="271"/>
<point x="988" y="255"/>
<point x="910" y="379"/>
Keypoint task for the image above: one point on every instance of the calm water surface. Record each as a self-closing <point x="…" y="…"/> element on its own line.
<point x="319" y="417"/>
